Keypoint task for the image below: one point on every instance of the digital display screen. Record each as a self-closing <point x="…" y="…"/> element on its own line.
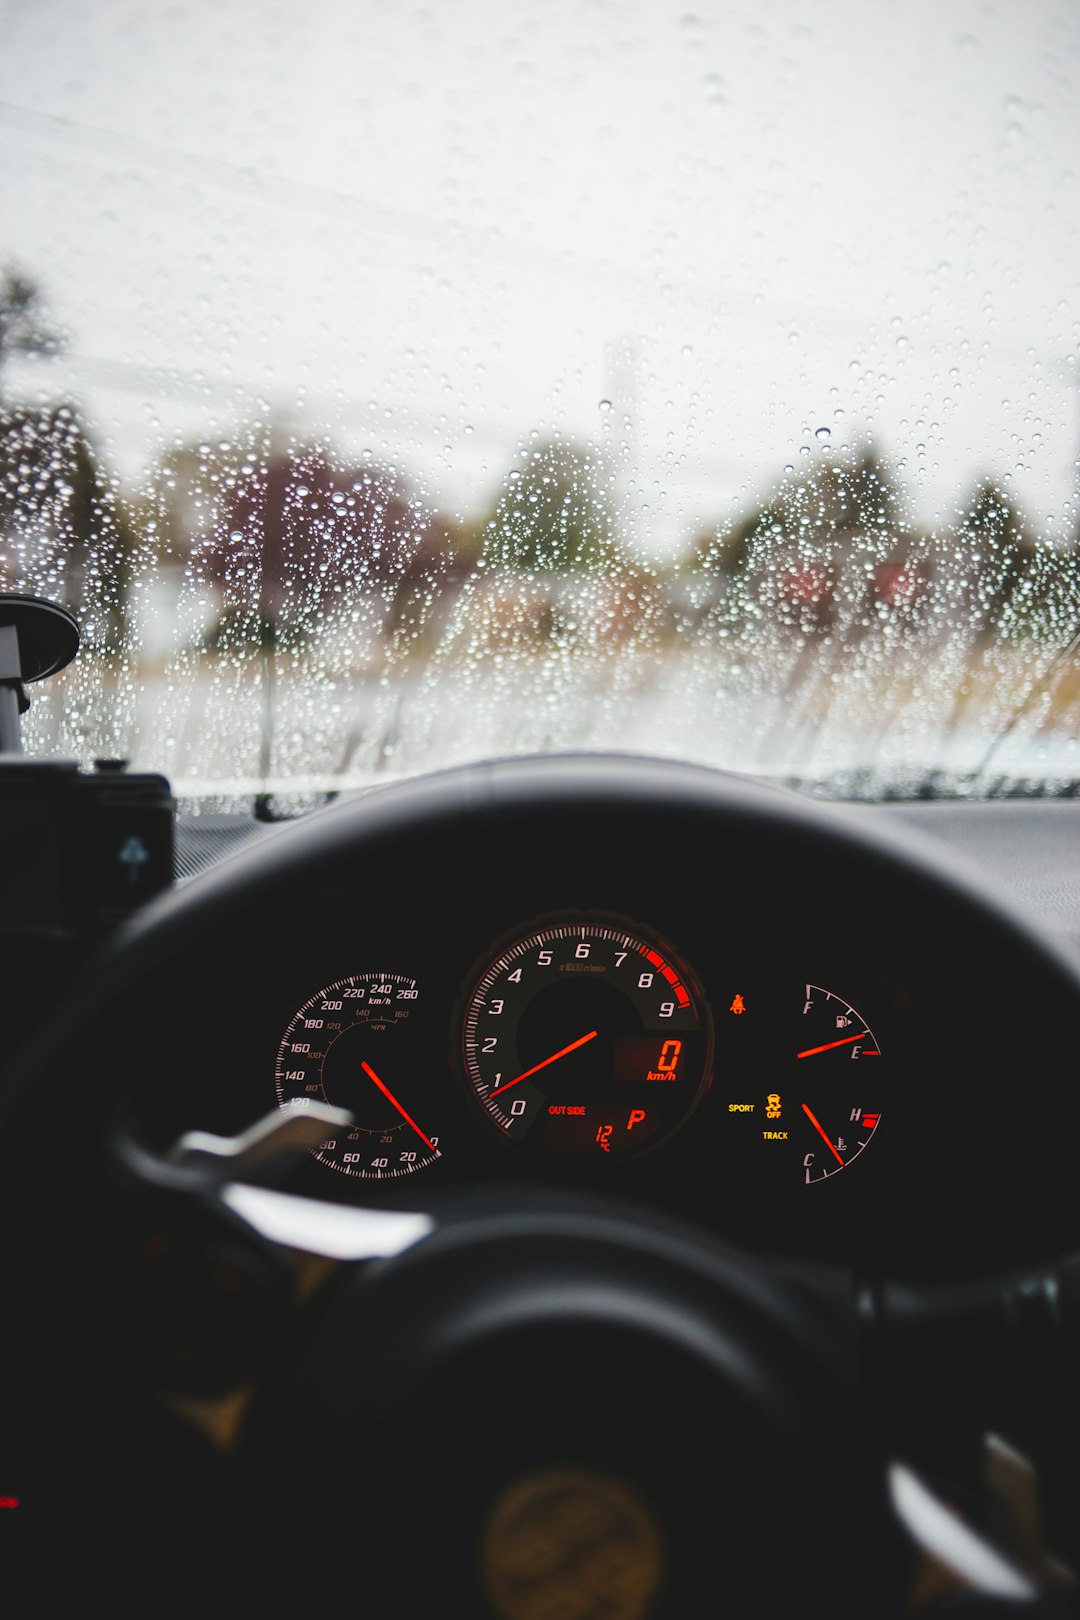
<point x="658" y="1059"/>
<point x="599" y="1127"/>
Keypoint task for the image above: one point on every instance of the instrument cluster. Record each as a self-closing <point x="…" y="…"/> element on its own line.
<point x="739" y="1013"/>
<point x="583" y="1043"/>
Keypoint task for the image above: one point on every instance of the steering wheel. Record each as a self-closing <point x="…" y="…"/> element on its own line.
<point x="510" y="1400"/>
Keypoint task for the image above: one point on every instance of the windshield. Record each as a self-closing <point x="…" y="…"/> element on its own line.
<point x="382" y="387"/>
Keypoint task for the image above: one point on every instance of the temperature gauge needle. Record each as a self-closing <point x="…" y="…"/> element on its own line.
<point x="389" y="1095"/>
<point x="816" y="1123"/>
<point x="555" y="1056"/>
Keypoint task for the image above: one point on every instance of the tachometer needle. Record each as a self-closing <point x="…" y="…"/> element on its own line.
<point x="816" y="1123"/>
<point x="845" y="1040"/>
<point x="554" y="1058"/>
<point x="389" y="1095"/>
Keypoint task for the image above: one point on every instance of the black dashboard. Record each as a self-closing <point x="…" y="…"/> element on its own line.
<point x="828" y="1042"/>
<point x="656" y="1114"/>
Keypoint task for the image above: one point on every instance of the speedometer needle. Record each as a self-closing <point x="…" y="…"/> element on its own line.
<point x="555" y="1056"/>
<point x="389" y="1095"/>
<point x="816" y="1123"/>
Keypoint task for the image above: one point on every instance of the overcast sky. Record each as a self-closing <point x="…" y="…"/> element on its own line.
<point x="434" y="231"/>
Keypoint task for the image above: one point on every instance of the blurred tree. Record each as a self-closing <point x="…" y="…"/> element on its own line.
<point x="787" y="558"/>
<point x="835" y="501"/>
<point x="64" y="531"/>
<point x="725" y="550"/>
<point x="286" y="533"/>
<point x="552" y="516"/>
<point x="994" y="554"/>
<point x="23" y="328"/>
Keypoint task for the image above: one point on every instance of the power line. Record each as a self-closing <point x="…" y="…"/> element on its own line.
<point x="172" y="383"/>
<point x="312" y="198"/>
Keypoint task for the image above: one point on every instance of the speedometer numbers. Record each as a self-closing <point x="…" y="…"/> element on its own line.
<point x="353" y="1044"/>
<point x="586" y="1038"/>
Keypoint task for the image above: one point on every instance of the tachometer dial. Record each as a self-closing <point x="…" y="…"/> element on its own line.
<point x="352" y="1044"/>
<point x="586" y="1037"/>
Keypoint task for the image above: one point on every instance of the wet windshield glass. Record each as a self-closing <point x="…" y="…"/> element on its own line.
<point x="382" y="387"/>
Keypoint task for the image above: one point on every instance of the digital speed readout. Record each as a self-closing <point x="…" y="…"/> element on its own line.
<point x="586" y="1036"/>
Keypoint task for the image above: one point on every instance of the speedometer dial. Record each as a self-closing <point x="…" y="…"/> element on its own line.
<point x="352" y="1044"/>
<point x="586" y="1037"/>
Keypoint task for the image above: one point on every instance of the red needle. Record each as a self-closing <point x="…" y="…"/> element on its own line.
<point x="846" y="1040"/>
<point x="816" y="1123"/>
<point x="389" y="1095"/>
<point x="552" y="1059"/>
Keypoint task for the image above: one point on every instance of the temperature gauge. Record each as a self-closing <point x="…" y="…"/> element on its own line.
<point x="833" y="1109"/>
<point x="813" y="1104"/>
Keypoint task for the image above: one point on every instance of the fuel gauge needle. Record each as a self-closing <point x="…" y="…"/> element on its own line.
<point x="389" y="1095"/>
<point x="816" y="1123"/>
<point x="845" y="1040"/>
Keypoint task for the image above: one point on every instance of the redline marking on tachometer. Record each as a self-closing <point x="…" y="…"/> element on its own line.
<point x="670" y="975"/>
<point x="389" y="1095"/>
<point x="812" y="1051"/>
<point x="816" y="1123"/>
<point x="538" y="1066"/>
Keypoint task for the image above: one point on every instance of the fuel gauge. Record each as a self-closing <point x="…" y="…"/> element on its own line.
<point x="814" y="1101"/>
<point x="833" y="1109"/>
